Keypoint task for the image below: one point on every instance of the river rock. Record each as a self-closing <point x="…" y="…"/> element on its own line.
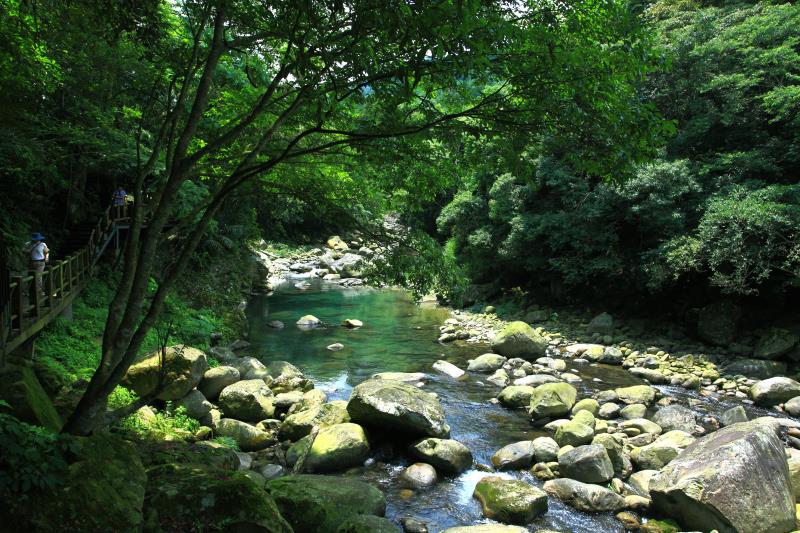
<point x="589" y="464"/>
<point x="319" y="504"/>
<point x="405" y="377"/>
<point x="675" y="417"/>
<point x="552" y="400"/>
<point x="587" y="404"/>
<point x="602" y="324"/>
<point x="644" y="394"/>
<point x="418" y="476"/>
<point x="278" y="369"/>
<point x="640" y="482"/>
<point x="792" y="406"/>
<point x="335" y="347"/>
<point x="773" y="391"/>
<point x="650" y="374"/>
<point x="608" y="411"/>
<point x="642" y="425"/>
<point x="487" y="528"/>
<point x="660" y="452"/>
<point x="518" y="339"/>
<point x="534" y="380"/>
<point x="734" y="415"/>
<point x="336" y="243"/>
<point x="448" y="369"/>
<point x="300" y="424"/>
<point x="195" y="404"/>
<point x="515" y="456"/>
<point x="515" y="396"/>
<point x="510" y="500"/>
<point x="756" y="368"/>
<point x="366" y="524"/>
<point x="499" y="378"/>
<point x="247" y="366"/>
<point x="774" y="343"/>
<point x="352" y="323"/>
<point x="735" y="479"/>
<point x="276" y="324"/>
<point x="216" y="379"/>
<point x="184" y="367"/>
<point x="487" y="363"/>
<point x="545" y="450"/>
<point x="248" y="438"/>
<point x="397" y="407"/>
<point x="338" y="447"/>
<point x="584" y="496"/>
<point x="249" y="400"/>
<point x="634" y="410"/>
<point x="446" y="455"/>
<point x="614" y="445"/>
<point x="574" y="433"/>
<point x="308" y="321"/>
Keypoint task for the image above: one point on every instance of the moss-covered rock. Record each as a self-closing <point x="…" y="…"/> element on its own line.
<point x="249" y="438"/>
<point x="201" y="498"/>
<point x="184" y="368"/>
<point x="516" y="396"/>
<point x="510" y="500"/>
<point x="298" y="425"/>
<point x="338" y="447"/>
<point x="207" y="453"/>
<point x="28" y="400"/>
<point x="323" y="503"/>
<point x="397" y="407"/>
<point x="644" y="394"/>
<point x="552" y="400"/>
<point x="367" y="524"/>
<point x="445" y="455"/>
<point x="518" y="339"/>
<point x="249" y="400"/>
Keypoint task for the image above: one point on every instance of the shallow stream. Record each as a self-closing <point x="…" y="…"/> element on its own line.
<point x="401" y="336"/>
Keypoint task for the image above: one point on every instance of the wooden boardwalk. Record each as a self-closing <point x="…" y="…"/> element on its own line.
<point x="27" y="311"/>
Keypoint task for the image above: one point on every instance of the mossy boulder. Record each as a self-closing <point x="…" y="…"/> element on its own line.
<point x="298" y="425"/>
<point x="249" y="400"/>
<point x="184" y="367"/>
<point x="28" y="400"/>
<point x="248" y="437"/>
<point x="203" y="498"/>
<point x="735" y="479"/>
<point x="552" y="400"/>
<point x="518" y="339"/>
<point x="487" y="363"/>
<point x="574" y="433"/>
<point x="644" y="394"/>
<point x="516" y="396"/>
<point x="445" y="455"/>
<point x="773" y="391"/>
<point x="365" y="523"/>
<point x="660" y="452"/>
<point x="774" y="343"/>
<point x="323" y="503"/>
<point x="514" y="456"/>
<point x="589" y="464"/>
<point x="338" y="447"/>
<point x="584" y="496"/>
<point x="156" y="452"/>
<point x="398" y="408"/>
<point x="216" y="379"/>
<point x="510" y="500"/>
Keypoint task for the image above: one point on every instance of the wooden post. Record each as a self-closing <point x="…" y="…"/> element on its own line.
<point x="36" y="298"/>
<point x="17" y="300"/>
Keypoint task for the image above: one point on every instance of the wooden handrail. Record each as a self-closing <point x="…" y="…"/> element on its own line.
<point x="27" y="310"/>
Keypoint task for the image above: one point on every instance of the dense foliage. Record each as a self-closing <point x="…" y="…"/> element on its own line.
<point x="718" y="209"/>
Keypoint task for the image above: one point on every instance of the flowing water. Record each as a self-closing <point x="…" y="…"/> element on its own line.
<point x="401" y="336"/>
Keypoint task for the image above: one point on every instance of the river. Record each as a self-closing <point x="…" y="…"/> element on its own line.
<point x="401" y="336"/>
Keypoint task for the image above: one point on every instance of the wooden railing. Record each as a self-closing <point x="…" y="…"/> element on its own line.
<point x="27" y="310"/>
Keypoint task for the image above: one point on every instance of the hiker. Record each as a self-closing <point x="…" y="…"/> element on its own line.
<point x="40" y="255"/>
<point x="118" y="200"/>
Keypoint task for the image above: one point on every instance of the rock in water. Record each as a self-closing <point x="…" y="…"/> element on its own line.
<point x="514" y="456"/>
<point x="338" y="447"/>
<point x="518" y="339"/>
<point x="487" y="528"/>
<point x="335" y="347"/>
<point x="418" y="476"/>
<point x="516" y="396"/>
<point x="446" y="455"/>
<point x="184" y="368"/>
<point x="589" y="464"/>
<point x="397" y="407"/>
<point x="488" y="362"/>
<point x="510" y="500"/>
<point x="352" y="323"/>
<point x="308" y="321"/>
<point x="736" y="479"/>
<point x="552" y="400"/>
<point x="583" y="496"/>
<point x="448" y="369"/>
<point x="773" y="391"/>
<point x="276" y="324"/>
<point x="675" y="417"/>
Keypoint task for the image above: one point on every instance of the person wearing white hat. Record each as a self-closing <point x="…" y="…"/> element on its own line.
<point x="40" y="254"/>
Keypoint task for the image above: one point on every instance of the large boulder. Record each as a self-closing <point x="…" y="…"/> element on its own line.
<point x="445" y="455"/>
<point x="195" y="404"/>
<point x="349" y="265"/>
<point x="419" y="476"/>
<point x="338" y="447"/>
<point x="487" y="363"/>
<point x="217" y="378"/>
<point x="660" y="452"/>
<point x="514" y="456"/>
<point x="718" y="323"/>
<point x="675" y="417"/>
<point x="574" y="433"/>
<point x="298" y="425"/>
<point x="202" y="498"/>
<point x="184" y="367"/>
<point x="518" y="339"/>
<point x="248" y="438"/>
<point x="773" y="391"/>
<point x="756" y="368"/>
<point x="584" y="496"/>
<point x="735" y="479"/>
<point x="602" y="324"/>
<point x="589" y="464"/>
<point x="774" y="343"/>
<point x="322" y="503"/>
<point x="552" y="400"/>
<point x="397" y="407"/>
<point x="510" y="500"/>
<point x="249" y="400"/>
<point x="516" y="396"/>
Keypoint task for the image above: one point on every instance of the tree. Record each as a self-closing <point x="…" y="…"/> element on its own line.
<point x="244" y="88"/>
